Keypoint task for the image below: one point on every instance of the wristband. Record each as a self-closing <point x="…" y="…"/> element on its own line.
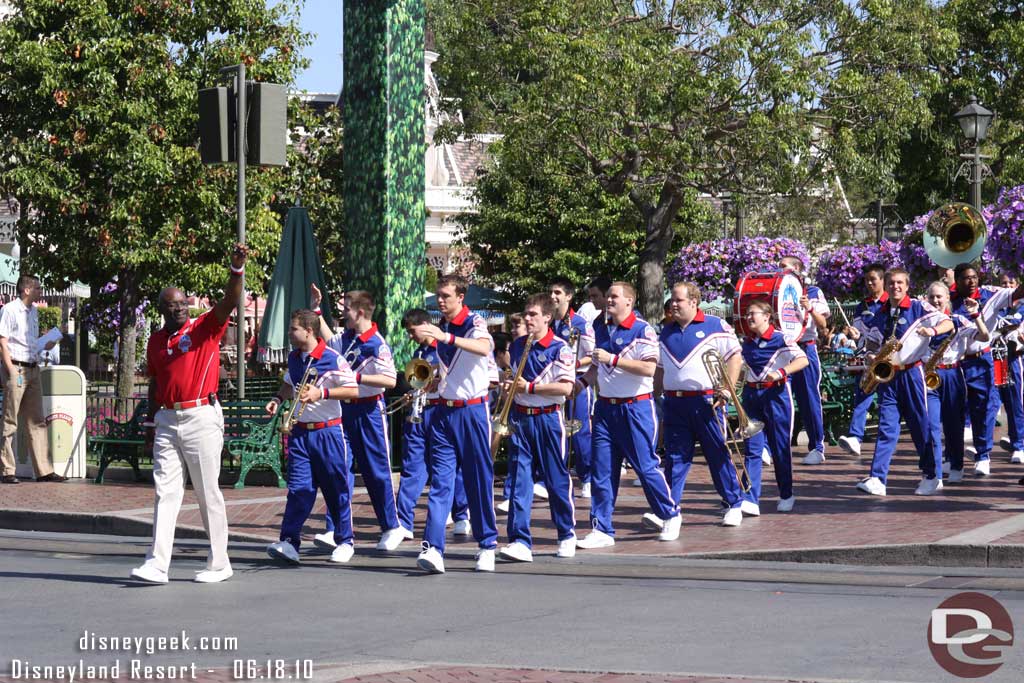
<point x="317" y="310"/>
<point x="359" y="378"/>
<point x="615" y="361"/>
<point x="531" y="388"/>
<point x="237" y="271"/>
<point x="577" y="365"/>
<point x="783" y="375"/>
<point x="451" y="339"/>
<point x="325" y="393"/>
<point x="975" y="316"/>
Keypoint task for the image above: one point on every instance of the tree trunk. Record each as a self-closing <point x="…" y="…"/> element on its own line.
<point x="659" y="229"/>
<point x="128" y="303"/>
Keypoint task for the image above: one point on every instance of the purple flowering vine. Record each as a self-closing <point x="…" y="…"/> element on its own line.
<point x="839" y="271"/>
<point x="1005" y="245"/>
<point x="716" y="265"/>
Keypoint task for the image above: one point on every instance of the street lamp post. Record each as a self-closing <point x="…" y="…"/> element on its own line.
<point x="974" y="120"/>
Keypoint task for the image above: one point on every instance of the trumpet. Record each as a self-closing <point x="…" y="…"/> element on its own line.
<point x="295" y="411"/>
<point x="499" y="422"/>
<point x="419" y="374"/>
<point x="745" y="427"/>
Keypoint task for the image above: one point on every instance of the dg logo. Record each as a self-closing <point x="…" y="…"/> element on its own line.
<point x="970" y="634"/>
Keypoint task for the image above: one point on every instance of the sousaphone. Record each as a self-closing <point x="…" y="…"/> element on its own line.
<point x="955" y="234"/>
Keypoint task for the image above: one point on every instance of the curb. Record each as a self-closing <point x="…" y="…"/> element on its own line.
<point x="109" y="525"/>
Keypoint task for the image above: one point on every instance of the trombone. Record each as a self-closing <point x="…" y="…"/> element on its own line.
<point x="297" y="407"/>
<point x="745" y="427"/>
<point x="419" y="374"/>
<point x="499" y="422"/>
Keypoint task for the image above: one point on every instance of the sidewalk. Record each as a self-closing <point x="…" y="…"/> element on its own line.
<point x="979" y="522"/>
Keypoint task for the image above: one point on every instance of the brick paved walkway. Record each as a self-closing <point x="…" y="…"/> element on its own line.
<point x="829" y="511"/>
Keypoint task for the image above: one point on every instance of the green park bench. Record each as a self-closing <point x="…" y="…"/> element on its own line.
<point x="256" y="389"/>
<point x="123" y="441"/>
<point x="255" y="439"/>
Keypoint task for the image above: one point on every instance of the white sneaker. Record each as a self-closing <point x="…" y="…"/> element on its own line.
<point x="214" y="575"/>
<point x="391" y="539"/>
<point x="1017" y="457"/>
<point x="872" y="485"/>
<point x="971" y="451"/>
<point x="567" y="548"/>
<point x="502" y="506"/>
<point x="343" y="553"/>
<point x="785" y="504"/>
<point x="430" y="560"/>
<point x="671" y="530"/>
<point x="850" y="444"/>
<point x="485" y="560"/>
<point x="750" y="509"/>
<point x="449" y="521"/>
<point x="407" y="534"/>
<point x="283" y="550"/>
<point x="946" y="467"/>
<point x="652" y="521"/>
<point x="516" y="551"/>
<point x="585" y="490"/>
<point x="955" y="476"/>
<point x="766" y="456"/>
<point x="325" y="540"/>
<point x="462" y="528"/>
<point x="983" y="468"/>
<point x="596" y="539"/>
<point x="928" y="487"/>
<point x="539" y="491"/>
<point x="815" y="457"/>
<point x="149" y="574"/>
<point x="732" y="517"/>
<point x="1005" y="444"/>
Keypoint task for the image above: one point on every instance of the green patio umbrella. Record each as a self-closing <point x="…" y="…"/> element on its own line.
<point x="298" y="266"/>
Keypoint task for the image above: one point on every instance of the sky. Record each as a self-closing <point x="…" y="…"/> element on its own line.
<point x="322" y="19"/>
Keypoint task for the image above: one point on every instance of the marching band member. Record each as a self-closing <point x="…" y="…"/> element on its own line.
<point x="807" y="383"/>
<point x="904" y="396"/>
<point x="415" y="453"/>
<point x="183" y="362"/>
<point x="947" y="405"/>
<point x="625" y="424"/>
<point x="693" y="408"/>
<point x="318" y="454"/>
<point x="874" y="284"/>
<point x="538" y="431"/>
<point x="977" y="361"/>
<point x="1012" y="394"/>
<point x="461" y="430"/>
<point x="767" y="397"/>
<point x="597" y="290"/>
<point x="565" y="322"/>
<point x="365" y="350"/>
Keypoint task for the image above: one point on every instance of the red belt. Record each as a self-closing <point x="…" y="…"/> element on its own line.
<point x="457" y="403"/>
<point x="313" y="426"/>
<point x="766" y="385"/>
<point x="979" y="354"/>
<point x="690" y="394"/>
<point x="808" y="342"/>
<point x="185" y="405"/>
<point x="628" y="399"/>
<point x="905" y="367"/>
<point x="951" y="366"/>
<point x="363" y="399"/>
<point x="533" y="410"/>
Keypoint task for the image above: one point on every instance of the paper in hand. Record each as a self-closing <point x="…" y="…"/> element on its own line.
<point x="53" y="336"/>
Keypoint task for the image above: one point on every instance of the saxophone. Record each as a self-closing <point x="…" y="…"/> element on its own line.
<point x="932" y="380"/>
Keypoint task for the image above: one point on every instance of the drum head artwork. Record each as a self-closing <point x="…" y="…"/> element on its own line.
<point x="782" y="291"/>
<point x="786" y="304"/>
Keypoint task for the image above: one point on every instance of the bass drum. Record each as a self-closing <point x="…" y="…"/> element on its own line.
<point x="782" y="290"/>
<point x="1001" y="367"/>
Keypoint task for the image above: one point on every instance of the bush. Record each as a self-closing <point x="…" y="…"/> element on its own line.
<point x="49" y="317"/>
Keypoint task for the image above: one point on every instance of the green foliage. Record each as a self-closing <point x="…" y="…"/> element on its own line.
<point x="99" y="127"/>
<point x="657" y="102"/>
<point x="49" y="317"/>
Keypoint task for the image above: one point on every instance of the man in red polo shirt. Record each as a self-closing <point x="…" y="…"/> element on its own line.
<point x="183" y="360"/>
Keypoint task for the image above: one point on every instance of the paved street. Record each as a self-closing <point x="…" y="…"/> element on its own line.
<point x="594" y="614"/>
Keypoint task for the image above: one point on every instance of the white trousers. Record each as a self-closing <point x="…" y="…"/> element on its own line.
<point x="194" y="437"/>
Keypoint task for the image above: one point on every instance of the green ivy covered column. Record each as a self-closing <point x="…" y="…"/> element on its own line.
<point x="384" y="108"/>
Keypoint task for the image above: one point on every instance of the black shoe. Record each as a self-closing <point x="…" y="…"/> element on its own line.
<point x="52" y="476"/>
<point x="9" y="479"/>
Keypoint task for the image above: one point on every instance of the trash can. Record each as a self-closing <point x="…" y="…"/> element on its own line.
<point x="64" y="413"/>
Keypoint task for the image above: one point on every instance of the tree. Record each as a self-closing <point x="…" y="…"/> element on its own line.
<point x="659" y="100"/>
<point x="989" y="63"/>
<point x="98" y="123"/>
